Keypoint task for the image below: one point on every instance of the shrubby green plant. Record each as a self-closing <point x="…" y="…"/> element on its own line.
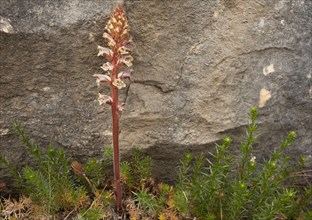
<point x="146" y="201"/>
<point x="232" y="188"/>
<point x="153" y="201"/>
<point x="98" y="170"/>
<point x="99" y="208"/>
<point x="49" y="183"/>
<point x="214" y="186"/>
<point x="136" y="171"/>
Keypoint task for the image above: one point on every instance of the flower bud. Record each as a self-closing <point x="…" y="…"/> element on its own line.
<point x="77" y="168"/>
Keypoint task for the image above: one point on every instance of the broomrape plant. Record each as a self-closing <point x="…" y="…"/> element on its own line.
<point x="117" y="68"/>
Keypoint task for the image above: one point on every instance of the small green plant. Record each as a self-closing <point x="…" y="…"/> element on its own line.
<point x="156" y="203"/>
<point x="142" y="166"/>
<point x="118" y="68"/>
<point x="49" y="183"/>
<point x="202" y="193"/>
<point x="224" y="187"/>
<point x="99" y="208"/>
<point x="146" y="201"/>
<point x="306" y="200"/>
<point x="136" y="172"/>
<point x="150" y="199"/>
<point x="98" y="171"/>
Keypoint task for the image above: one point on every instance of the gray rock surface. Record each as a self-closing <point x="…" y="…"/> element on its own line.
<point x="199" y="66"/>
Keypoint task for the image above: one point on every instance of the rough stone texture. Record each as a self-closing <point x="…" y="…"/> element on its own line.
<point x="199" y="66"/>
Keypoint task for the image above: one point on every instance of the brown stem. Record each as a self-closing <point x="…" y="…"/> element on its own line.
<point x="90" y="184"/>
<point x="116" y="141"/>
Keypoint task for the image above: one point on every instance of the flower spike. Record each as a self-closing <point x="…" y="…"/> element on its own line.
<point x="117" y="54"/>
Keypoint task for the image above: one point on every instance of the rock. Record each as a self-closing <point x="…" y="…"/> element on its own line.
<point x="199" y="67"/>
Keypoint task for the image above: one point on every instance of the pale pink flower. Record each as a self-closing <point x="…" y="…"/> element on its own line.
<point x="105" y="99"/>
<point x="104" y="51"/>
<point x="119" y="83"/>
<point x="107" y="66"/>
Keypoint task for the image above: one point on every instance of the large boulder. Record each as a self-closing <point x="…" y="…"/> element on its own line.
<point x="199" y="66"/>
